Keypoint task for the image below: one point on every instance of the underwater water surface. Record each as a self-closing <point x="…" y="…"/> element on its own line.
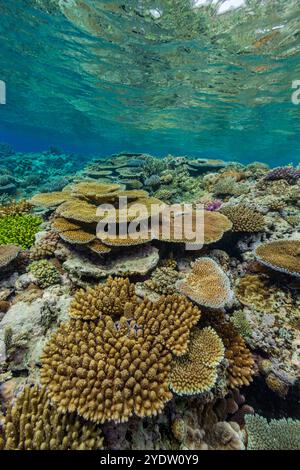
<point x="188" y="77"/>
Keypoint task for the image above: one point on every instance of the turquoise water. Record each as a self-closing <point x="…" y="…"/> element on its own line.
<point x="187" y="77"/>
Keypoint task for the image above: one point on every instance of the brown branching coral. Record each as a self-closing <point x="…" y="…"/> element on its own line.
<point x="170" y="320"/>
<point x="163" y="280"/>
<point x="240" y="368"/>
<point x="105" y="371"/>
<point x="244" y="219"/>
<point x="196" y="372"/>
<point x="115" y="298"/>
<point x="15" y="208"/>
<point x="207" y="284"/>
<point x="32" y="423"/>
<point x="281" y="255"/>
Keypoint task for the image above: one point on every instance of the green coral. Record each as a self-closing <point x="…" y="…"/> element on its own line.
<point x="282" y="434"/>
<point x="45" y="273"/>
<point x="19" y="229"/>
<point x="241" y="324"/>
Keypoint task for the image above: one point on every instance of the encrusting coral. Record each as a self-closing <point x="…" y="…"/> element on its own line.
<point x="32" y="423"/>
<point x="207" y="284"/>
<point x="281" y="255"/>
<point x="244" y="219"/>
<point x="196" y="372"/>
<point x="281" y="434"/>
<point x="108" y="370"/>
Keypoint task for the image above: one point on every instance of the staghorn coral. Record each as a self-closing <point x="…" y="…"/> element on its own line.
<point x="32" y="423"/>
<point x="8" y="253"/>
<point x="281" y="434"/>
<point x="45" y="273"/>
<point x="45" y="247"/>
<point x="207" y="284"/>
<point x="196" y="372"/>
<point x="281" y="255"/>
<point x="288" y="173"/>
<point x="115" y="297"/>
<point x="244" y="219"/>
<point x="19" y="229"/>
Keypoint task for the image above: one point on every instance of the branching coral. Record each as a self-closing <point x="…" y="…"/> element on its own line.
<point x="281" y="255"/>
<point x="19" y="229"/>
<point x="116" y="297"/>
<point x="207" y="284"/>
<point x="196" y="372"/>
<point x="15" y="208"/>
<point x="110" y="371"/>
<point x="163" y="280"/>
<point x="282" y="434"/>
<point x="45" y="273"/>
<point x="32" y="423"/>
<point x="244" y="219"/>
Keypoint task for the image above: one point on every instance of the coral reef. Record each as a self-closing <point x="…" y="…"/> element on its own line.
<point x="19" y="229"/>
<point x="281" y="434"/>
<point x="281" y="255"/>
<point x="45" y="273"/>
<point x="196" y="372"/>
<point x="32" y="423"/>
<point x="244" y="219"/>
<point x="207" y="284"/>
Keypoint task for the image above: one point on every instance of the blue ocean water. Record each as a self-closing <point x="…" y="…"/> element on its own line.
<point x="206" y="78"/>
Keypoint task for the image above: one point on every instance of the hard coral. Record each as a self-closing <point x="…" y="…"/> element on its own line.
<point x="244" y="219"/>
<point x="19" y="229"/>
<point x="207" y="284"/>
<point x="282" y="434"/>
<point x="45" y="248"/>
<point x="45" y="273"/>
<point x="15" y="208"/>
<point x="32" y="423"/>
<point x="196" y="372"/>
<point x="281" y="255"/>
<point x="287" y="173"/>
<point x="116" y="297"/>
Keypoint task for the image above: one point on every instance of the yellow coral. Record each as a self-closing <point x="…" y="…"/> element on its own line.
<point x="32" y="423"/>
<point x="116" y="297"/>
<point x="281" y="255"/>
<point x="196" y="372"/>
<point x="207" y="284"/>
<point x="50" y="199"/>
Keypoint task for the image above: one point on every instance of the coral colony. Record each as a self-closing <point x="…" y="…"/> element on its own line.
<point x="103" y="335"/>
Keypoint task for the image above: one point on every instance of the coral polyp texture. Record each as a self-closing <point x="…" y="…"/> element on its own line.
<point x="207" y="284"/>
<point x="196" y="372"/>
<point x="106" y="371"/>
<point x="281" y="255"/>
<point x="281" y="434"/>
<point x="244" y="219"/>
<point x="19" y="230"/>
<point x="110" y="370"/>
<point x="116" y="297"/>
<point x="32" y="423"/>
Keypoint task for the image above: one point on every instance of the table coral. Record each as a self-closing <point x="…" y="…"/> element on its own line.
<point x="196" y="372"/>
<point x="281" y="255"/>
<point x="207" y="284"/>
<point x="32" y="423"/>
